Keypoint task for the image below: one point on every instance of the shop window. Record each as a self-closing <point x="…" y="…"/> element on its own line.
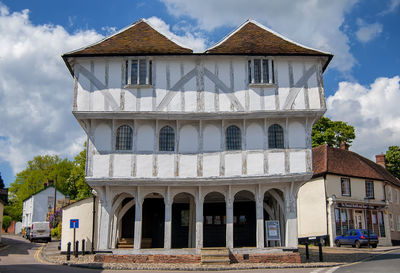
<point x="124" y="138"/>
<point x="391" y="222"/>
<point x="369" y="189"/>
<point x="381" y="224"/>
<point x="398" y="222"/>
<point x="345" y="186"/>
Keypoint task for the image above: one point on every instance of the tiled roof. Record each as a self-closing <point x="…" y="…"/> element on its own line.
<point x="254" y="38"/>
<point x="329" y="160"/>
<point x="140" y="38"/>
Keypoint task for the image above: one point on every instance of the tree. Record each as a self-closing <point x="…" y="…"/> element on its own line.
<point x="392" y="160"/>
<point x="331" y="133"/>
<point x="6" y="222"/>
<point x="1" y="182"/>
<point x="77" y="185"/>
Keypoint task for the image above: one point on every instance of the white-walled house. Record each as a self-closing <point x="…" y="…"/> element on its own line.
<point x="83" y="211"/>
<point x="347" y="191"/>
<point x="189" y="150"/>
<point x="36" y="206"/>
<point x="2" y="204"/>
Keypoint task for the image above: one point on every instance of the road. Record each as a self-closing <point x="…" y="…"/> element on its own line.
<point x="385" y="263"/>
<point x="19" y="257"/>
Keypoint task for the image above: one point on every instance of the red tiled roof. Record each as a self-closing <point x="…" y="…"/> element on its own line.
<point x="329" y="160"/>
<point x="138" y="39"/>
<point x="253" y="38"/>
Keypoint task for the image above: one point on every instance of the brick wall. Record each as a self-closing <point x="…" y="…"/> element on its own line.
<point x="235" y="258"/>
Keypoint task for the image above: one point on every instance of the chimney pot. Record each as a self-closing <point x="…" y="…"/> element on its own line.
<point x="380" y="159"/>
<point x="344" y="145"/>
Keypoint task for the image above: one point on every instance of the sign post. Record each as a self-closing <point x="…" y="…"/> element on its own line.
<point x="273" y="231"/>
<point x="74" y="223"/>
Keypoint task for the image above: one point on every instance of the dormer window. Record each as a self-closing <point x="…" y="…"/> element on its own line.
<point x="261" y="71"/>
<point x="138" y="72"/>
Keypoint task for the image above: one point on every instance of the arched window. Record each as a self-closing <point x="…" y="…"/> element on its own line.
<point x="275" y="136"/>
<point x="233" y="138"/>
<point x="167" y="139"/>
<point x="124" y="138"/>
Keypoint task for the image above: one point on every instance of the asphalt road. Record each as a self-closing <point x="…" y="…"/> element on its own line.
<point x="385" y="263"/>
<point x="21" y="257"/>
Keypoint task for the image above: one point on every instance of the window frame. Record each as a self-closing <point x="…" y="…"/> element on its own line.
<point x="148" y="81"/>
<point x="270" y="73"/>
<point x="233" y="146"/>
<point x="342" y="180"/>
<point x="117" y="146"/>
<point x="274" y="137"/>
<point x="163" y="148"/>
<point x="369" y="183"/>
<point x="391" y="222"/>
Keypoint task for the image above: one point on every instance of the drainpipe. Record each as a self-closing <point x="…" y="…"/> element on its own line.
<point x="94" y="221"/>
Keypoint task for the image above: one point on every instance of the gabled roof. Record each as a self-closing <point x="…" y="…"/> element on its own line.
<point x="252" y="38"/>
<point x="140" y="38"/>
<point x="329" y="160"/>
<point x="50" y="186"/>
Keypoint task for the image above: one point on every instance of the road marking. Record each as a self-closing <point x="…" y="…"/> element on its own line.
<point x="331" y="270"/>
<point x="37" y="255"/>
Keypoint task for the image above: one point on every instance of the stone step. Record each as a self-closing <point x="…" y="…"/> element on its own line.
<point x="215" y="255"/>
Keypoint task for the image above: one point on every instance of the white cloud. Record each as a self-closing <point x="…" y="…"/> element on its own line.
<point x="190" y="40"/>
<point x="36" y="89"/>
<point x="393" y="5"/>
<point x="367" y="32"/>
<point x="312" y="23"/>
<point x="374" y="112"/>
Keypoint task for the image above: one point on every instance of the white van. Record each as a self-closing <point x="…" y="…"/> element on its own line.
<point x="40" y="231"/>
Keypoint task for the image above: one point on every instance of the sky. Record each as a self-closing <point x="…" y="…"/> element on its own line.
<point x="36" y="89"/>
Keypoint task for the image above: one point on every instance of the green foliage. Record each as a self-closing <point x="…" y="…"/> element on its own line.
<point x="69" y="177"/>
<point x="332" y="133"/>
<point x="56" y="232"/>
<point x="392" y="159"/>
<point x="6" y="222"/>
<point x="77" y="185"/>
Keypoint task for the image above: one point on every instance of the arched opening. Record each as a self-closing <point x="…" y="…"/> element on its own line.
<point x="153" y="218"/>
<point x="183" y="221"/>
<point x="123" y="221"/>
<point x="274" y="218"/>
<point x="214" y="223"/>
<point x="244" y="220"/>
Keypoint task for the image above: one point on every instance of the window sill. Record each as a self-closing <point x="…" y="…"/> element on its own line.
<point x="262" y="85"/>
<point x="138" y="86"/>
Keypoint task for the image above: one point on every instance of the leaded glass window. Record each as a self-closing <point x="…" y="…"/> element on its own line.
<point x="261" y="71"/>
<point x="275" y="137"/>
<point x="124" y="138"/>
<point x="233" y="138"/>
<point x="138" y="72"/>
<point x="167" y="139"/>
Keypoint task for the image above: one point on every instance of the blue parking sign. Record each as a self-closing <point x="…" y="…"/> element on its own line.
<point x="74" y="223"/>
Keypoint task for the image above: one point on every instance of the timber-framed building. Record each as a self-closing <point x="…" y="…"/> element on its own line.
<point x="191" y="150"/>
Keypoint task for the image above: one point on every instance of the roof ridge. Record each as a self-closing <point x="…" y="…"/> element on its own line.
<point x="266" y="29"/>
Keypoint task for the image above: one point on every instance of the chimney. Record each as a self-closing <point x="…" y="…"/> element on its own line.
<point x="344" y="146"/>
<point x="380" y="159"/>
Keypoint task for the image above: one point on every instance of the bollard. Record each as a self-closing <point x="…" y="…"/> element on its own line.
<point x="76" y="248"/>
<point x="83" y="247"/>
<point x="320" y="252"/>
<point x="69" y="251"/>
<point x="307" y="252"/>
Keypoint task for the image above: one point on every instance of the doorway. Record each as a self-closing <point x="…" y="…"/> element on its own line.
<point x="359" y="219"/>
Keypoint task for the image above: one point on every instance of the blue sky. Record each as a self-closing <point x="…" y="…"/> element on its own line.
<point x="361" y="83"/>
